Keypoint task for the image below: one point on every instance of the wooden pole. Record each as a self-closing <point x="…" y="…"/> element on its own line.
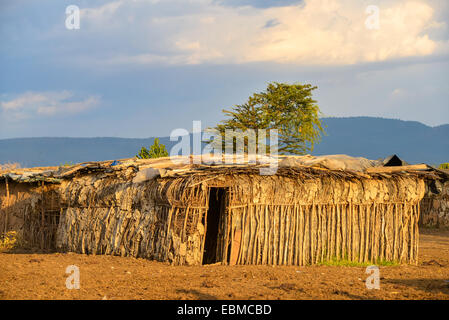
<point x="42" y="215"/>
<point x="417" y="232"/>
<point x="338" y="232"/>
<point x="265" y="236"/>
<point x="7" y="205"/>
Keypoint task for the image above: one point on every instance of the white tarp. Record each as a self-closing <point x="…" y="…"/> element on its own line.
<point x="332" y="162"/>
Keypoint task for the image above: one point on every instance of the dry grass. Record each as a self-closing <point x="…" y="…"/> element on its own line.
<point x="9" y="241"/>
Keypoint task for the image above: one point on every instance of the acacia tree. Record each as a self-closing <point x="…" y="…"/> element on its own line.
<point x="289" y="108"/>
<point x="157" y="150"/>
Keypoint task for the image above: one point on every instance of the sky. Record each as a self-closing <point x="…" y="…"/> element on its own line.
<point x="142" y="68"/>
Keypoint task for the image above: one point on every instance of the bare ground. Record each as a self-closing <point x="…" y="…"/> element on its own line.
<point x="42" y="276"/>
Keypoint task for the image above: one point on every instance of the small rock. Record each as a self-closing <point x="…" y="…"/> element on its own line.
<point x="207" y="284"/>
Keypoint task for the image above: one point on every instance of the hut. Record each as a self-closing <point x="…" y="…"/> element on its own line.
<point x="393" y="161"/>
<point x="29" y="205"/>
<point x="310" y="211"/>
<point x="435" y="204"/>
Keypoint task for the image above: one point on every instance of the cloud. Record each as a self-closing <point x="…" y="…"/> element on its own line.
<point x="104" y="10"/>
<point x="271" y="23"/>
<point x="324" y="32"/>
<point x="258" y="3"/>
<point x="32" y="104"/>
<point x="396" y="92"/>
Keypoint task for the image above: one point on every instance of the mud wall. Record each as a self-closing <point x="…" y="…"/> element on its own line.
<point x="435" y="205"/>
<point x="31" y="209"/>
<point x="109" y="214"/>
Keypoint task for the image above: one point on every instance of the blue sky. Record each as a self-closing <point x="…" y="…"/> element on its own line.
<point x="141" y="68"/>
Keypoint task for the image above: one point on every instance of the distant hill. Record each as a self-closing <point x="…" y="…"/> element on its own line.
<point x="375" y="138"/>
<point x="368" y="137"/>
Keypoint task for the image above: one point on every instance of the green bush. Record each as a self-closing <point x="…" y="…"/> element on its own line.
<point x="444" y="166"/>
<point x="157" y="150"/>
<point x="67" y="164"/>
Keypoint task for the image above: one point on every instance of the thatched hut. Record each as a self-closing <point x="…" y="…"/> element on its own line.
<point x="306" y="213"/>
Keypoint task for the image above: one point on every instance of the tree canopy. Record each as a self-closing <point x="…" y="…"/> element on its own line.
<point x="289" y="108"/>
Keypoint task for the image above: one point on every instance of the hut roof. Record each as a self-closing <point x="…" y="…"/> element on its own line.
<point x="30" y="175"/>
<point x="394" y="160"/>
<point x="146" y="169"/>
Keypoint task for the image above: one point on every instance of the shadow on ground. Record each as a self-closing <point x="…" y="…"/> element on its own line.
<point x="198" y="295"/>
<point x="427" y="285"/>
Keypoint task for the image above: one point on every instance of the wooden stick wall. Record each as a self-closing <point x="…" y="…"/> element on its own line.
<point x="31" y="209"/>
<point x="310" y="234"/>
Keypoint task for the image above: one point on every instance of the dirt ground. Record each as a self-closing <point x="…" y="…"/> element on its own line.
<point x="42" y="276"/>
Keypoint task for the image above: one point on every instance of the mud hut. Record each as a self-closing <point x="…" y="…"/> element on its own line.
<point x="435" y="204"/>
<point x="309" y="211"/>
<point x="29" y="205"/>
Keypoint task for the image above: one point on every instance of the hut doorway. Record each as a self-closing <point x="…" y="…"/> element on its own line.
<point x="213" y="218"/>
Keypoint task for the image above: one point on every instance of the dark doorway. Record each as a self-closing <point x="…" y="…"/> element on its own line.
<point x="216" y="208"/>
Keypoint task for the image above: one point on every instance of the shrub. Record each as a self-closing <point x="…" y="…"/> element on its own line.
<point x="444" y="166"/>
<point x="9" y="240"/>
<point x="67" y="164"/>
<point x="157" y="150"/>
